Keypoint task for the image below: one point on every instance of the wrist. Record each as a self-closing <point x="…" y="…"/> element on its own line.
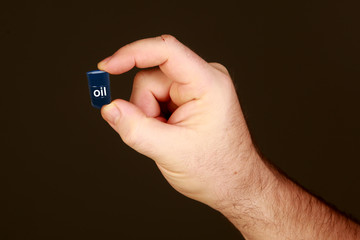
<point x="245" y="192"/>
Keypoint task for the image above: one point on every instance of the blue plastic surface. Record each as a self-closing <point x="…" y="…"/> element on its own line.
<point x="99" y="87"/>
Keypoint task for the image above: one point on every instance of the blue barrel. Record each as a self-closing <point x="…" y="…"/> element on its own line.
<point x="99" y="87"/>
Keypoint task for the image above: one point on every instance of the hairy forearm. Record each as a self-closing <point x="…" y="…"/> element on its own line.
<point x="273" y="207"/>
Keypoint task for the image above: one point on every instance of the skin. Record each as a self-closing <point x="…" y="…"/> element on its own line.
<point x="184" y="114"/>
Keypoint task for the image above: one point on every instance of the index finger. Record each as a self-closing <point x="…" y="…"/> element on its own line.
<point x="177" y="61"/>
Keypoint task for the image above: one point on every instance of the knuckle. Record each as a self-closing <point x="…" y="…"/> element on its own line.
<point x="139" y="77"/>
<point x="220" y="67"/>
<point x="144" y="78"/>
<point x="130" y="137"/>
<point x="168" y="38"/>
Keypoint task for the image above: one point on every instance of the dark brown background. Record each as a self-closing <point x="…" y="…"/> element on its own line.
<point x="67" y="175"/>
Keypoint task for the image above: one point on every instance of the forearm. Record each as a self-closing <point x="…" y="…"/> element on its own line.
<point x="273" y="207"/>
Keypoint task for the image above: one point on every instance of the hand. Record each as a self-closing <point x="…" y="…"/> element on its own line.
<point x="185" y="115"/>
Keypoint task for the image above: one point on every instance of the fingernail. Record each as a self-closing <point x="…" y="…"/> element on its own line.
<point x="102" y="64"/>
<point x="111" y="113"/>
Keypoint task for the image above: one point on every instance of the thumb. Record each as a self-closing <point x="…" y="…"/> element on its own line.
<point x="146" y="135"/>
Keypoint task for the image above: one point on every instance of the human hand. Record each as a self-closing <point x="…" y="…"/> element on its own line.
<point x="203" y="148"/>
